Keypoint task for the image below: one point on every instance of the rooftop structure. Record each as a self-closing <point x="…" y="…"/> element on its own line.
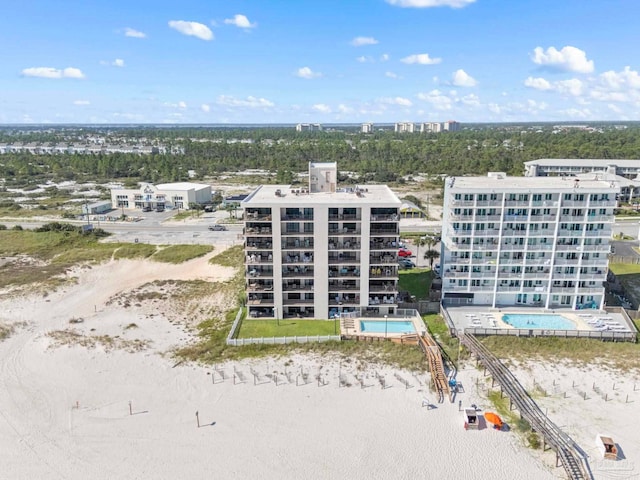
<point x="517" y="241"/>
<point x="321" y="251"/>
<point x="572" y="166"/>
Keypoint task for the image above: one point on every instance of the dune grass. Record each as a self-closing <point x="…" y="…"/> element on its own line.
<point x="624" y="356"/>
<point x="181" y="253"/>
<point x="231" y="257"/>
<point x="134" y="251"/>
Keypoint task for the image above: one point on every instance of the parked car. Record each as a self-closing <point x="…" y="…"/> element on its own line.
<point x="405" y="263"/>
<point x="217" y="228"/>
<point x="403" y="252"/>
<point x="146" y="209"/>
<point x="436" y="269"/>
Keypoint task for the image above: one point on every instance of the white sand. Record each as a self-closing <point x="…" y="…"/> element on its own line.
<point x="247" y="431"/>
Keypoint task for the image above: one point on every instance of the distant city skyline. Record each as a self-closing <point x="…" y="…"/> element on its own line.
<point x="379" y="61"/>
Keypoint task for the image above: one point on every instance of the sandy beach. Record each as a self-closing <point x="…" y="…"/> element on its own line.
<point x="102" y="400"/>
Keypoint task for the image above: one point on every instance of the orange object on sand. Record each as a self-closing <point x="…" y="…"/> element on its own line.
<point x="494" y="419"/>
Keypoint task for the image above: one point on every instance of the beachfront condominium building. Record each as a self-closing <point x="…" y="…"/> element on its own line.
<point x="317" y="251"/>
<point x="450" y="126"/>
<point x="544" y="167"/>
<point x="366" y="128"/>
<point x="308" y="127"/>
<point x="430" y="127"/>
<point x="404" y="127"/>
<point x="518" y="241"/>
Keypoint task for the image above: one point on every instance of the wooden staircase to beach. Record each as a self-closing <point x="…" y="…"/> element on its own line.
<point x="436" y="366"/>
<point x="567" y="451"/>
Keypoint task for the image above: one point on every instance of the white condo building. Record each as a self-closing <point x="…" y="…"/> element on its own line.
<point x="517" y="241"/>
<point x="404" y="127"/>
<point x="165" y="195"/>
<point x="320" y="250"/>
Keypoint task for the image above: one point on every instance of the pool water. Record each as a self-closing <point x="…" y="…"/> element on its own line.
<point x="539" y="321"/>
<point x="393" y="326"/>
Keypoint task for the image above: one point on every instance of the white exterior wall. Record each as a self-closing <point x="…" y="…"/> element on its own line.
<point x="179" y="197"/>
<point x="526" y="241"/>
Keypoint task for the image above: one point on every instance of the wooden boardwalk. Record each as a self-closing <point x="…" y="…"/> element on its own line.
<point x="567" y="451"/>
<point x="436" y="366"/>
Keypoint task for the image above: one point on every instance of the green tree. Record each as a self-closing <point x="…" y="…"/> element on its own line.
<point x="431" y="255"/>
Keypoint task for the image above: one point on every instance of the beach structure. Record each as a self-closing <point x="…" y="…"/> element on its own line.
<point x="470" y="419"/>
<point x="527" y="242"/>
<point x="166" y="195"/>
<point x="320" y="251"/>
<point x="607" y="447"/>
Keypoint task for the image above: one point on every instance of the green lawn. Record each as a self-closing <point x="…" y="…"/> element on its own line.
<point x="629" y="276"/>
<point x="416" y="281"/>
<point x="287" y="328"/>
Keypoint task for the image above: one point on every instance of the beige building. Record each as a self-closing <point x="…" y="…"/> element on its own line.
<point x="166" y="195"/>
<point x="319" y="251"/>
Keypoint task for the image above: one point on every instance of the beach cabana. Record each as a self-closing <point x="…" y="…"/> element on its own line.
<point x="470" y="419"/>
<point x="607" y="447"/>
<point x="494" y="419"/>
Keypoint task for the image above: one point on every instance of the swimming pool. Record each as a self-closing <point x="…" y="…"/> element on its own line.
<point x="539" y="321"/>
<point x="392" y="326"/>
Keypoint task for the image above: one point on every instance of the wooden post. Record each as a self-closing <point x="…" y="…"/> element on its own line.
<point x="198" y="419"/>
<point x="130" y="408"/>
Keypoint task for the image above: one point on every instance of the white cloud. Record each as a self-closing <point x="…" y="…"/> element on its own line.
<point x="118" y="62"/>
<point x="471" y="100"/>
<point x="81" y="102"/>
<point x="344" y="109"/>
<point x="306" y="72"/>
<point x="240" y="21"/>
<point x="614" y="108"/>
<point x="421" y="58"/>
<point x="430" y="3"/>
<point x="360" y="41"/>
<point x="572" y="86"/>
<point x="130" y="32"/>
<point x="437" y="99"/>
<point x="49" y="72"/>
<point x="403" y="102"/>
<point x="463" y="79"/>
<point x="537" y="83"/>
<point x="391" y="75"/>
<point x="322" y="108"/>
<point x="568" y="59"/>
<point x="249" y="102"/>
<point x="193" y="29"/>
<point x="576" y="112"/>
<point x="182" y="104"/>
<point x="384" y="57"/>
<point x="364" y="59"/>
<point x="618" y="80"/>
<point x="205" y="108"/>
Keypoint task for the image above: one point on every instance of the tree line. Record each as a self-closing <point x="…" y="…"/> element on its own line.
<point x="380" y="157"/>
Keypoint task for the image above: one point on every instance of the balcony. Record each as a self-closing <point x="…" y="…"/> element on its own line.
<point x="259" y="258"/>
<point x="301" y="257"/>
<point x="258" y="245"/>
<point x="344" y="259"/>
<point x="297" y="272"/>
<point x="383" y="259"/>
<point x="258" y="230"/>
<point x="260" y="299"/>
<point x="344" y="231"/>
<point x="387" y="272"/>
<point x="296" y="217"/>
<point x="383" y="218"/>
<point x="297" y="287"/>
<point x="335" y="286"/>
<point x="297" y="301"/>
<point x="259" y="272"/>
<point x="350" y="244"/>
<point x="347" y="217"/>
<point x="344" y="272"/>
<point x="384" y="300"/>
<point x="386" y="288"/>
<point x="298" y="233"/>
<point x="346" y="299"/>
<point x="256" y="286"/>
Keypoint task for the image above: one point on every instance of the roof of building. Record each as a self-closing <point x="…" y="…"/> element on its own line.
<point x="501" y="182"/>
<point x="182" y="186"/>
<point x="583" y="162"/>
<point x="284" y="195"/>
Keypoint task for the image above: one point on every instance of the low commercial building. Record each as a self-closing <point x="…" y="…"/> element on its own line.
<point x="166" y="195"/>
<point x="97" y="208"/>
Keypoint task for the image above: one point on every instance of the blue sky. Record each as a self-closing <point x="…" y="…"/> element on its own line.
<point x="277" y="61"/>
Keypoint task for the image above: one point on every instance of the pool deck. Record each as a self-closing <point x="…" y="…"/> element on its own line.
<point x="485" y="319"/>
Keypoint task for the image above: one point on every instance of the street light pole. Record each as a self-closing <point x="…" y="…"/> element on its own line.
<point x="386" y="318"/>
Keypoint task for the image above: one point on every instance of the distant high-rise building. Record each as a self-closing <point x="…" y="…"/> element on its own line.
<point x="308" y="127"/>
<point x="450" y="126"/>
<point x="405" y="127"/>
<point x="367" y="128"/>
<point x="430" y="127"/>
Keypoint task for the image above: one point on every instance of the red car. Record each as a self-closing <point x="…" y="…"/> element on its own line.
<point x="403" y="252"/>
